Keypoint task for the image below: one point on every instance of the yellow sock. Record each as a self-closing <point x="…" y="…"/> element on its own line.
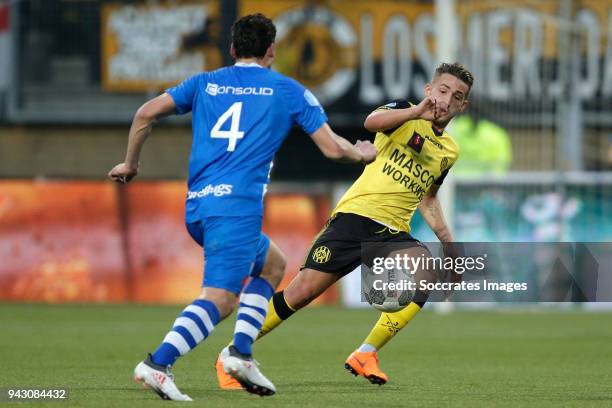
<point x="389" y="324"/>
<point x="278" y="311"/>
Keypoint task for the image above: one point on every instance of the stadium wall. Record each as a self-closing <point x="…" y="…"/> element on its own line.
<point x="88" y="152"/>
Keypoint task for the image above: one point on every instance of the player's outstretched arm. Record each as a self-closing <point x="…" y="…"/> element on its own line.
<point x="142" y="124"/>
<point x="381" y="120"/>
<point x="335" y="147"/>
<point x="431" y="210"/>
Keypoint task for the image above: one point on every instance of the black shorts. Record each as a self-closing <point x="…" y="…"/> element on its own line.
<point x="337" y="248"/>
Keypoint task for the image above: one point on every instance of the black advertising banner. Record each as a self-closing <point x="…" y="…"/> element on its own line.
<point x="357" y="55"/>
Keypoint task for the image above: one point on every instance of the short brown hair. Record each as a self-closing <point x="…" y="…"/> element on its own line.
<point x="457" y="70"/>
<point x="252" y="35"/>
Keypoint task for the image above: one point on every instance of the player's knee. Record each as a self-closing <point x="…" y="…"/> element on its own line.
<point x="274" y="268"/>
<point x="223" y="299"/>
<point x="278" y="268"/>
<point x="225" y="305"/>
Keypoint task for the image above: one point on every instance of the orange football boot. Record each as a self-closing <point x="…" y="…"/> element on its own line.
<point x="365" y="364"/>
<point x="226" y="381"/>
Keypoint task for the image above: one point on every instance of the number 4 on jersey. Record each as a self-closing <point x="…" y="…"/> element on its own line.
<point x="234" y="133"/>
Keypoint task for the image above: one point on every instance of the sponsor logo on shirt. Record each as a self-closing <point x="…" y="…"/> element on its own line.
<point x="434" y="141"/>
<point x="416" y="142"/>
<point x="219" y="190"/>
<point x="216" y="89"/>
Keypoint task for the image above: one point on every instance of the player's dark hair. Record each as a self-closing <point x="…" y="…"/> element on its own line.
<point x="252" y="35"/>
<point x="457" y="70"/>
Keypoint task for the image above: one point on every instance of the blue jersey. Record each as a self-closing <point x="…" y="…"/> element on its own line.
<point x="241" y="115"/>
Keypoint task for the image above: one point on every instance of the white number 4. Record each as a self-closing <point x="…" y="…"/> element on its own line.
<point x="234" y="133"/>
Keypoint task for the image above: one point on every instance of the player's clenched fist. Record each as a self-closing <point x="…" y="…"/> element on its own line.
<point x="122" y="173"/>
<point x="428" y="109"/>
<point x="367" y="149"/>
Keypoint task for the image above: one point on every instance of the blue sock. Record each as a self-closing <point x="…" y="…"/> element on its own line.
<point x="192" y="326"/>
<point x="251" y="314"/>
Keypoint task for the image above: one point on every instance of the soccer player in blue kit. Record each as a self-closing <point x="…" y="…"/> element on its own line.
<point x="240" y="116"/>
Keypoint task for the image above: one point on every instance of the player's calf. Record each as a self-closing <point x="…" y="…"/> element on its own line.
<point x="307" y="286"/>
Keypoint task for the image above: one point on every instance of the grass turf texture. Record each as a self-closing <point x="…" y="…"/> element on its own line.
<point x="463" y="359"/>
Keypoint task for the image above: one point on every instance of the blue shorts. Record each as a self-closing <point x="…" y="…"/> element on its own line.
<point x="234" y="248"/>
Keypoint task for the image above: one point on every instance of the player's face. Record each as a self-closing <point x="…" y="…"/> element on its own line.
<point x="451" y="95"/>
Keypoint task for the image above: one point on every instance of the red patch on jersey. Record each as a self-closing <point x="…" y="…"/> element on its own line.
<point x="416" y="142"/>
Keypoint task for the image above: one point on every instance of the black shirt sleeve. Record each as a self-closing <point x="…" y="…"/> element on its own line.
<point x="395" y="104"/>
<point x="440" y="179"/>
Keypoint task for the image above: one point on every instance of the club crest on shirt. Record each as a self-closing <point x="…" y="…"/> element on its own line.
<point x="321" y="254"/>
<point x="416" y="142"/>
<point x="444" y="164"/>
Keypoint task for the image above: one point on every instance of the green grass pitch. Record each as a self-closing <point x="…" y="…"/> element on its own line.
<point x="462" y="359"/>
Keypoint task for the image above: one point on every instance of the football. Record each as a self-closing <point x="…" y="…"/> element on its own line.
<point x="389" y="291"/>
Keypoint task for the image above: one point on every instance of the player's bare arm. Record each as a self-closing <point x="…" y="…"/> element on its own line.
<point x="338" y="148"/>
<point x="142" y="124"/>
<point x="431" y="210"/>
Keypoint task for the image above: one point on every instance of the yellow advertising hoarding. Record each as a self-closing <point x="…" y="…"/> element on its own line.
<point x="147" y="47"/>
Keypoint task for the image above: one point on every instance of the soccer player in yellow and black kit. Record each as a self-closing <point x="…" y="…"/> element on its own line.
<point x="414" y="156"/>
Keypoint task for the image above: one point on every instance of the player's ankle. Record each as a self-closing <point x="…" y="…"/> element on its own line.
<point x="235" y="352"/>
<point x="367" y="348"/>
